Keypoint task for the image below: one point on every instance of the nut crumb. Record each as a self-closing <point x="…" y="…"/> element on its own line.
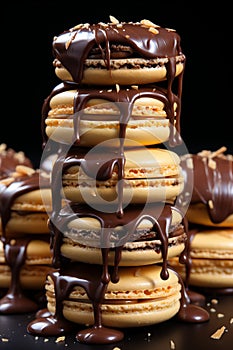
<point x="113" y="20"/>
<point x="60" y="339"/>
<point x="116" y="348"/>
<point x="214" y="301"/>
<point x="172" y="345"/>
<point x="220" y="315"/>
<point x="231" y="320"/>
<point x="219" y="332"/>
<point x="5" y="340"/>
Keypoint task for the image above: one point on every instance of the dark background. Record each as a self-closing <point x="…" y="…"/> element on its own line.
<point x="28" y="75"/>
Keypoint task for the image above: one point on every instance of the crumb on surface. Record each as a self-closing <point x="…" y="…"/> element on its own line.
<point x="60" y="339"/>
<point x="172" y="345"/>
<point x="218" y="333"/>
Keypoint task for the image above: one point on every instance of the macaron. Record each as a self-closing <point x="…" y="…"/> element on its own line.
<point x="118" y="53"/>
<point x="144" y="235"/>
<point x="26" y="256"/>
<point x="210" y="259"/>
<point x="9" y="159"/>
<point x="105" y="176"/>
<point x="35" y="265"/>
<point x="88" y="116"/>
<point x="212" y="197"/>
<point x="139" y="298"/>
<point x="22" y="198"/>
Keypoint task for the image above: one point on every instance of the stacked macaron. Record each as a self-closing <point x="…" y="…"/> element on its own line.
<point x="25" y="254"/>
<point x="114" y="220"/>
<point x="209" y="254"/>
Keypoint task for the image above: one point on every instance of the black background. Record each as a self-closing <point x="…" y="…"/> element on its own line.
<point x="28" y="75"/>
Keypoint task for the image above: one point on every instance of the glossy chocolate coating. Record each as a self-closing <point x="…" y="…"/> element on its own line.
<point x="73" y="47"/>
<point x="213" y="184"/>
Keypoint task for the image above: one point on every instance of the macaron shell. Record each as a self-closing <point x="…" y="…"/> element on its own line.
<point x="31" y="277"/>
<point x="215" y="244"/>
<point x="198" y="214"/>
<point x="138" y="255"/>
<point x="31" y="223"/>
<point x="120" y="76"/>
<point x="211" y="259"/>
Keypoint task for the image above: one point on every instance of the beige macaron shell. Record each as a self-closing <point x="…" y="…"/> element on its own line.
<point x="212" y="259"/>
<point x="120" y="76"/>
<point x="156" y="300"/>
<point x="150" y="175"/>
<point x="198" y="214"/>
<point x="134" y="253"/>
<point x="144" y="130"/>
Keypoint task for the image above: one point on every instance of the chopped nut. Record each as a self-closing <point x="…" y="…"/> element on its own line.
<point x="5" y="340"/>
<point x="24" y="170"/>
<point x="172" y="345"/>
<point x="214" y="301"/>
<point x="220" y="315"/>
<point x="113" y="20"/>
<point x="219" y="332"/>
<point x="117" y="87"/>
<point x="210" y="204"/>
<point x="147" y="23"/>
<point x="60" y="339"/>
<point x="153" y="30"/>
<point x="211" y="164"/>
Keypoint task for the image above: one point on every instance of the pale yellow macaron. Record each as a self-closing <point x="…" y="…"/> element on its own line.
<point x="140" y="237"/>
<point x="211" y="253"/>
<point x="25" y="201"/>
<point x="94" y="177"/>
<point x="37" y="263"/>
<point x="140" y="297"/>
<point x="88" y="115"/>
<point x="118" y="53"/>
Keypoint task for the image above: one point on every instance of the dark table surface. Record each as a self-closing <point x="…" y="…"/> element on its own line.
<point x="184" y="336"/>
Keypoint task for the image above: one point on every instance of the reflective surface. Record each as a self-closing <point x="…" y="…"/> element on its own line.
<point x="183" y="335"/>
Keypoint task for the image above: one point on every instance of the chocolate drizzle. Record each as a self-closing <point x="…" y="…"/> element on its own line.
<point x="213" y="184"/>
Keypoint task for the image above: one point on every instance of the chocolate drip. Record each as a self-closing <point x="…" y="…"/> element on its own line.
<point x="15" y="255"/>
<point x="213" y="186"/>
